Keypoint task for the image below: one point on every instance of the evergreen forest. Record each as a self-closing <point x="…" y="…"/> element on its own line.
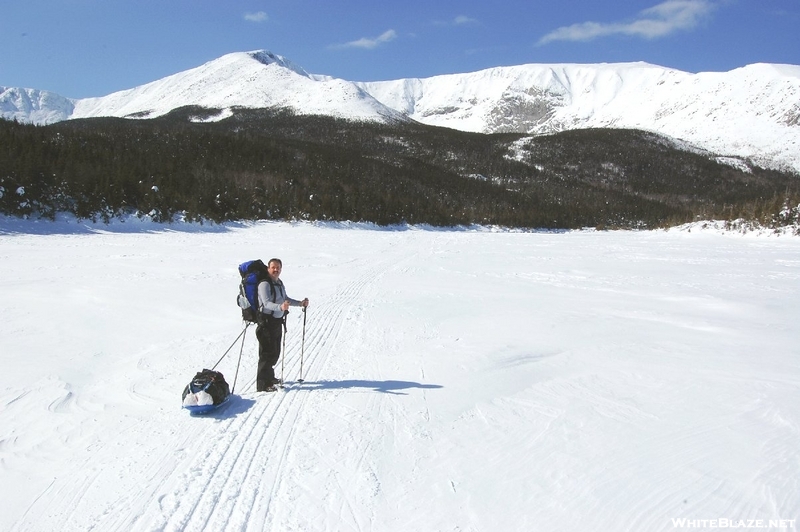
<point x="266" y="164"/>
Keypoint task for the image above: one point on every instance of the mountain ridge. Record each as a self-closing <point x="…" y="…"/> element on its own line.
<point x="750" y="112"/>
<point x="741" y="113"/>
<point x="261" y="80"/>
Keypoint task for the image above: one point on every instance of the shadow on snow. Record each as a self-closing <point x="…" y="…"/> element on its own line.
<point x="233" y="407"/>
<point x="393" y="387"/>
<point x="239" y="405"/>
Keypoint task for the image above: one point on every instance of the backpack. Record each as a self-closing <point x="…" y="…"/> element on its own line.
<point x="252" y="272"/>
<point x="211" y="382"/>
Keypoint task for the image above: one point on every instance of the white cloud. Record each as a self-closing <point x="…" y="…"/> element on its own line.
<point x="256" y="17"/>
<point x="657" y="21"/>
<point x="460" y="20"/>
<point x="370" y="43"/>
<point x="463" y="19"/>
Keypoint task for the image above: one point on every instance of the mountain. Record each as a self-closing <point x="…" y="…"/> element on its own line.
<point x="258" y="79"/>
<point x="34" y="106"/>
<point x="751" y="112"/>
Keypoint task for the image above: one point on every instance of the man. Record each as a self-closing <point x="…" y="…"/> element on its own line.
<point x="273" y="303"/>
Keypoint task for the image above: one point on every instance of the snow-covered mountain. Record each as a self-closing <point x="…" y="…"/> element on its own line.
<point x="751" y="112"/>
<point x="34" y="106"/>
<point x="257" y="79"/>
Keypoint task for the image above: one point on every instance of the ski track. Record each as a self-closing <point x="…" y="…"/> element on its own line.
<point x="238" y="472"/>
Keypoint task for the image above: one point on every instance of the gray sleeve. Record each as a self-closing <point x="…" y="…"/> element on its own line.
<point x="285" y="297"/>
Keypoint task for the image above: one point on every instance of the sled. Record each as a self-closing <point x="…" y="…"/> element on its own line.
<point x="205" y="393"/>
<point x="200" y="410"/>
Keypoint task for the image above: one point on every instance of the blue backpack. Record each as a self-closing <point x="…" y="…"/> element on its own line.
<point x="252" y="272"/>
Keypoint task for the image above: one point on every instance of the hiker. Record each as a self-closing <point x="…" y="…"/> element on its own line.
<point x="273" y="303"/>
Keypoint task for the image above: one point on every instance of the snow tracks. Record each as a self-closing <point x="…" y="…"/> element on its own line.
<point x="224" y="470"/>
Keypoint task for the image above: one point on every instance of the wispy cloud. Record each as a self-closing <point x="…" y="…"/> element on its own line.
<point x="260" y="16"/>
<point x="460" y="20"/>
<point x="658" y="21"/>
<point x="463" y="20"/>
<point x="367" y="43"/>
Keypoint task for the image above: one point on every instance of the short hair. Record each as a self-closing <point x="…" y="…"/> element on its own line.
<point x="275" y="260"/>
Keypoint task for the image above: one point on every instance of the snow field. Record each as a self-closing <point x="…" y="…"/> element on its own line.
<point x="455" y="380"/>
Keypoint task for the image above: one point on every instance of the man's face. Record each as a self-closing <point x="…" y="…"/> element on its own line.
<point x="274" y="270"/>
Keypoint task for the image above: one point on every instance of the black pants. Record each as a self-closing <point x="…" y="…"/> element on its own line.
<point x="269" y="335"/>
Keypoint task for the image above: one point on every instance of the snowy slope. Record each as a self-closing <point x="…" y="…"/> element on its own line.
<point x="749" y="112"/>
<point x="256" y="79"/>
<point x="602" y="381"/>
<point x="34" y="106"/>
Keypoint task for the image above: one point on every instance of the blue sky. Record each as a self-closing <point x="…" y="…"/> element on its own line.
<point x="84" y="48"/>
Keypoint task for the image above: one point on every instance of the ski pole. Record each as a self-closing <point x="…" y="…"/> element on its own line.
<point x="239" y="363"/>
<point x="302" y="345"/>
<point x="283" y="351"/>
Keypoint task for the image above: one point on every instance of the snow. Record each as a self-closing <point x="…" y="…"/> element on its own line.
<point x="257" y="79"/>
<point x="472" y="379"/>
<point x="35" y="106"/>
<point x="750" y="112"/>
<point x="747" y="113"/>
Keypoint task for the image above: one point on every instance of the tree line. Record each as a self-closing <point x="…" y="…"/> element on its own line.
<point x="264" y="164"/>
